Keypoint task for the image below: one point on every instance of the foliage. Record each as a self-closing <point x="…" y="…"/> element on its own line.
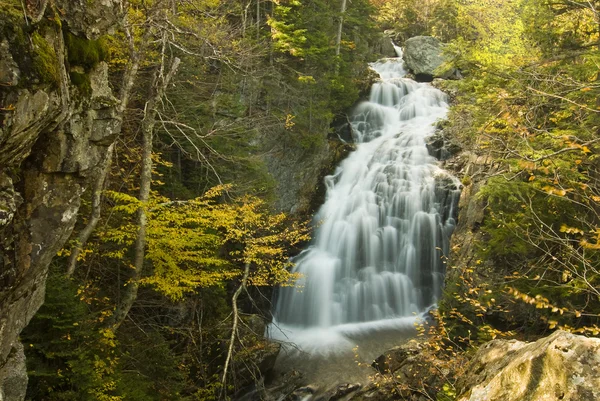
<point x="531" y="99"/>
<point x="238" y="95"/>
<point x="204" y="242"/>
<point x="322" y="83"/>
<point x="69" y="355"/>
<point x="408" y="18"/>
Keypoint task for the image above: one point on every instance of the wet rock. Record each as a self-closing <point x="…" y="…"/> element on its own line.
<point x="342" y="130"/>
<point x="376" y="392"/>
<point x="395" y="358"/>
<point x="299" y="172"/>
<point x="267" y="356"/>
<point x="254" y="362"/>
<point x="562" y="366"/>
<point x="441" y="147"/>
<point x="257" y="364"/>
<point x="343" y="390"/>
<point x="281" y="387"/>
<point x="384" y="46"/>
<point x="411" y="371"/>
<point x="301" y="393"/>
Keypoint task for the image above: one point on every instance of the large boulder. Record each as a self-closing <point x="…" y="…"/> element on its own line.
<point x="423" y="57"/>
<point x="562" y="367"/>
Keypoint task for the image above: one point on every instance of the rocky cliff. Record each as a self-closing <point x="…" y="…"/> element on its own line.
<point x="57" y="118"/>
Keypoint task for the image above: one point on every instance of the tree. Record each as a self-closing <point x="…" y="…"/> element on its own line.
<point x="533" y="104"/>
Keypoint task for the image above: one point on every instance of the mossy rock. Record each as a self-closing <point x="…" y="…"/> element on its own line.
<point x="84" y="52"/>
<point x="82" y="81"/>
<point x="45" y="60"/>
<point x="11" y="8"/>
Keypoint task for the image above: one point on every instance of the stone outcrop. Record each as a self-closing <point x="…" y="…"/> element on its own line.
<point x="53" y="134"/>
<point x="423" y="57"/>
<point x="383" y="46"/>
<point x="562" y="367"/>
<point x="299" y="172"/>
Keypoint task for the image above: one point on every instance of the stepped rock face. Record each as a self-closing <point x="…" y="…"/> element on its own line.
<point x="53" y="135"/>
<point x="562" y="366"/>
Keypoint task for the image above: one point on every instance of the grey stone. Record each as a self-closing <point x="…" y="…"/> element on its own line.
<point x="9" y="70"/>
<point x="562" y="366"/>
<point x="423" y="57"/>
<point x="33" y="111"/>
<point x="8" y="200"/>
<point x="383" y="45"/>
<point x="395" y="358"/>
<point x="344" y="389"/>
<point x="301" y="393"/>
<point x="441" y="147"/>
<point x="14" y="376"/>
<point x="90" y="18"/>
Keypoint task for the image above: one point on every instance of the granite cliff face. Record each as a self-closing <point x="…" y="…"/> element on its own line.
<point x="53" y="134"/>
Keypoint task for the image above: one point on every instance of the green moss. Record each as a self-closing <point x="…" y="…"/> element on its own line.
<point x="84" y="52"/>
<point x="45" y="60"/>
<point x="11" y="9"/>
<point x="82" y="81"/>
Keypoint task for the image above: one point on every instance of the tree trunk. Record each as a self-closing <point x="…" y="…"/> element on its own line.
<point x="148" y="123"/>
<point x="85" y="234"/>
<point x="234" y="327"/>
<point x="338" y="41"/>
<point x="257" y="20"/>
<point x="129" y="78"/>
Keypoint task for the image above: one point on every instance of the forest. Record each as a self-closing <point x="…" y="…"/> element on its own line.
<point x="168" y="157"/>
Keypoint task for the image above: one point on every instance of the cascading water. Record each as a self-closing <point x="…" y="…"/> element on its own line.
<point x="377" y="254"/>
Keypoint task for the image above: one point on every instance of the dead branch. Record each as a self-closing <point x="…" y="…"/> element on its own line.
<point x="234" y="327"/>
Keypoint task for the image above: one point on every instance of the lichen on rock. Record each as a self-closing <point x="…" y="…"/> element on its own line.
<point x="424" y="58"/>
<point x="562" y="366"/>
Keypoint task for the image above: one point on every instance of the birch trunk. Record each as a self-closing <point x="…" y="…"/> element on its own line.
<point x="148" y="123"/>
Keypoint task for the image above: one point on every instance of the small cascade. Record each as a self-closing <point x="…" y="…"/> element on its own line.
<point x="377" y="256"/>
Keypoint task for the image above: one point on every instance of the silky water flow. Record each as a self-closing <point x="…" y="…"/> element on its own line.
<point x="377" y="259"/>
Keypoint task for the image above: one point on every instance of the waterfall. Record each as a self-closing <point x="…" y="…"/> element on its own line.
<point x="377" y="255"/>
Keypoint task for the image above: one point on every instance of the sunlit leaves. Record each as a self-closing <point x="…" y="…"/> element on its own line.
<point x="492" y="35"/>
<point x="204" y="242"/>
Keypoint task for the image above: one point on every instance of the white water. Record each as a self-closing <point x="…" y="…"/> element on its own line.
<point x="376" y="260"/>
